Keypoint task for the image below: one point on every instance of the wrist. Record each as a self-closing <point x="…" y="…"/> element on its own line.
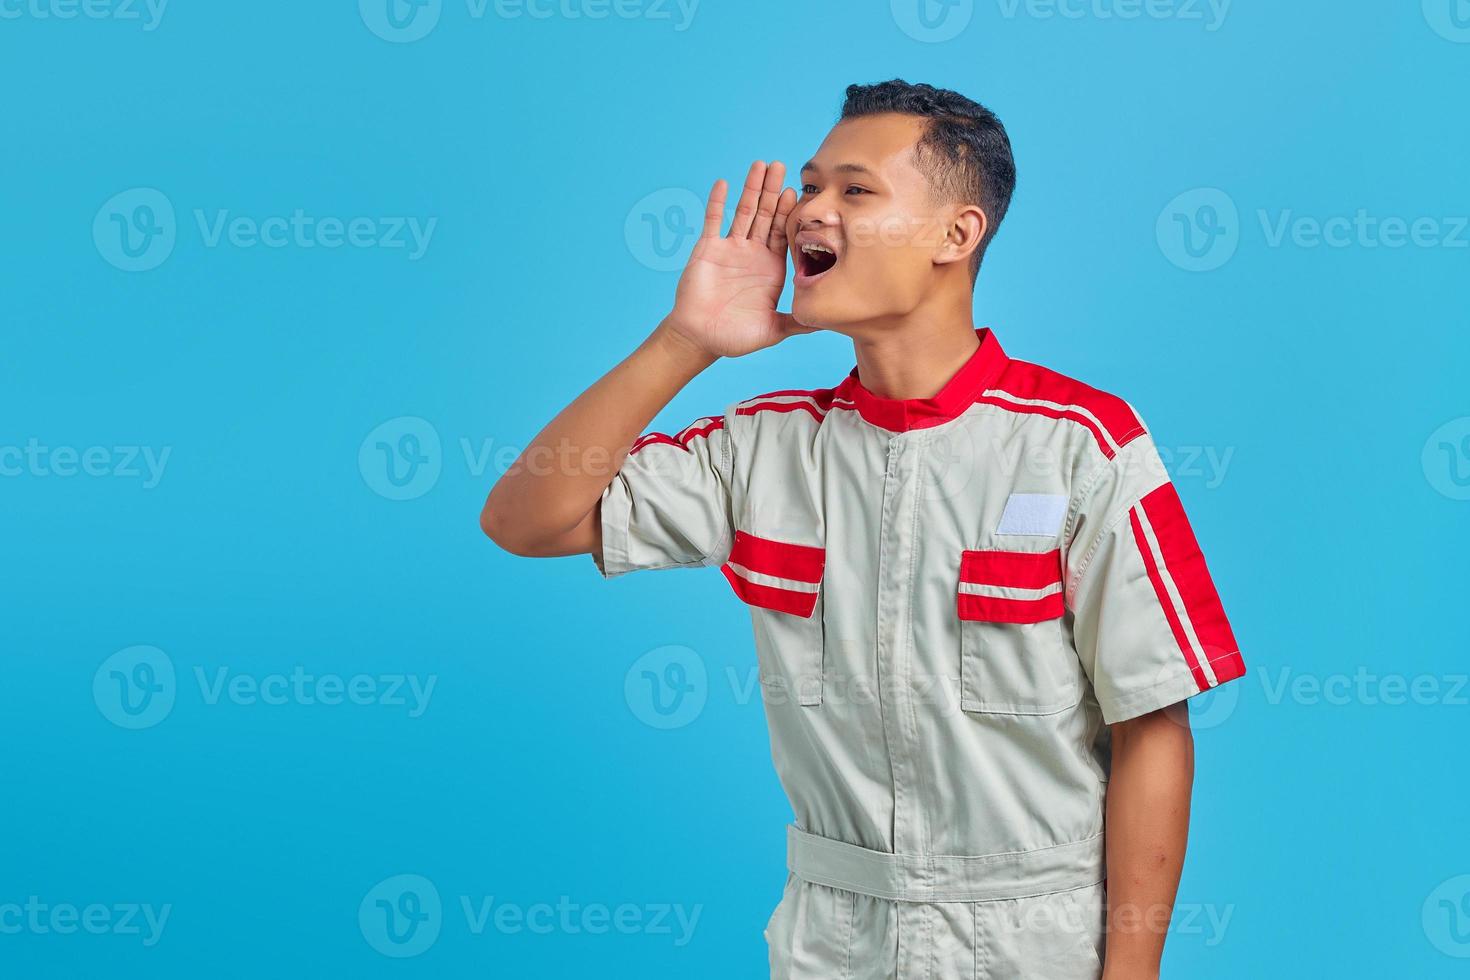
<point x="1117" y="967"/>
<point x="677" y="347"/>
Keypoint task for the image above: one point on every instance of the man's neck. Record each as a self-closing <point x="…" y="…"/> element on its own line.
<point x="915" y="359"/>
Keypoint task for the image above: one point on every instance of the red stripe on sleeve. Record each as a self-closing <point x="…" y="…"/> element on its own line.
<point x="1165" y="601"/>
<point x="1186" y="565"/>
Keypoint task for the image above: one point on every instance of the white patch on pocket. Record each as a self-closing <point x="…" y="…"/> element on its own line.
<point x="1033" y="513"/>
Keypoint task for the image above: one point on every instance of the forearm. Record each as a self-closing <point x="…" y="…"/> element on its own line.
<point x="725" y="305"/>
<point x="1146" y="832"/>
<point x="552" y="488"/>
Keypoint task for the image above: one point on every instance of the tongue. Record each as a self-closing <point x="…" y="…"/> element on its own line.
<point x="819" y="262"/>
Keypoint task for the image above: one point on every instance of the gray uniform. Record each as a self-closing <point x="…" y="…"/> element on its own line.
<point x="952" y="597"/>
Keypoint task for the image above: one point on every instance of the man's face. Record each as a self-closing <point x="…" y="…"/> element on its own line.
<point x="863" y="199"/>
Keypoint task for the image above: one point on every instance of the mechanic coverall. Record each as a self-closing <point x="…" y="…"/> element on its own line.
<point x="952" y="597"/>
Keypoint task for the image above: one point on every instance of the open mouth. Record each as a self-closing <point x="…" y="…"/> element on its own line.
<point x="814" y="261"/>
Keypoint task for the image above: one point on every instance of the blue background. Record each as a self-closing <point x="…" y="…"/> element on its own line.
<point x="1327" y="828"/>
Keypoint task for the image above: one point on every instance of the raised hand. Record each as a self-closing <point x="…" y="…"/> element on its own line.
<point x="725" y="303"/>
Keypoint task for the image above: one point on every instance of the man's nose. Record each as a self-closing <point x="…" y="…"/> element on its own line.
<point x="815" y="209"/>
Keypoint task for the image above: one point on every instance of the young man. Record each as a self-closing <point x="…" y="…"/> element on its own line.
<point x="978" y="605"/>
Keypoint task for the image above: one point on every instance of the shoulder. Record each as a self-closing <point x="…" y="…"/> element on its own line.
<point x="1031" y="389"/>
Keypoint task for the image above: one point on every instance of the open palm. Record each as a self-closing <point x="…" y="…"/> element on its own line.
<point x="726" y="299"/>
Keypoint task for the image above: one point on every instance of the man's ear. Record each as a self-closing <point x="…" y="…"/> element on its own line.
<point x="966" y="231"/>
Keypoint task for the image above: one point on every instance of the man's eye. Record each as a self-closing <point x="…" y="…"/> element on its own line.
<point x="851" y="189"/>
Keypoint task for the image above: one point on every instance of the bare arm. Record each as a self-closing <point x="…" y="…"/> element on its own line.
<point x="1147" y="829"/>
<point x="546" y="503"/>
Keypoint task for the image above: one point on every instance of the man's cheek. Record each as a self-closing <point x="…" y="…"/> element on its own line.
<point x="869" y="269"/>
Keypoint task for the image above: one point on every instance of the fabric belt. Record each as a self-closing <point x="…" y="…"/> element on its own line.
<point x="944" y="877"/>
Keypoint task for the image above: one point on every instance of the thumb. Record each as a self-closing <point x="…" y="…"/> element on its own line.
<point x="787" y="325"/>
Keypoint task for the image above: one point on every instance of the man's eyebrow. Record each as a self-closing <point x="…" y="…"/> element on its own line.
<point x="841" y="168"/>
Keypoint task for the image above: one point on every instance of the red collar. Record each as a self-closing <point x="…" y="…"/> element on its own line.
<point x="958" y="393"/>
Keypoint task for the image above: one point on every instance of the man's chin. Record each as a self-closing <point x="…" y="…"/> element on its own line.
<point x="816" y="315"/>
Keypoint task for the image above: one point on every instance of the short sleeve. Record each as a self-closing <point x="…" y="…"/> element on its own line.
<point x="1148" y="623"/>
<point x="669" y="504"/>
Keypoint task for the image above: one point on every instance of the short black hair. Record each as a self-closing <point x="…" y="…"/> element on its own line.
<point x="965" y="150"/>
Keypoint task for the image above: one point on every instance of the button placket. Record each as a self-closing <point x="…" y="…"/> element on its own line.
<point x="894" y="628"/>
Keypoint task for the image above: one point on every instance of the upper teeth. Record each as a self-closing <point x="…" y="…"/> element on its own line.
<point x="809" y="248"/>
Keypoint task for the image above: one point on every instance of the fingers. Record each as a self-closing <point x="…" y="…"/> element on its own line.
<point x="762" y="210"/>
<point x="784" y="206"/>
<point x="714" y="210"/>
<point x="765" y="209"/>
<point x="749" y="197"/>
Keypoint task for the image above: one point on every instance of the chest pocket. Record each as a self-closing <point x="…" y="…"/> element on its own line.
<point x="781" y="581"/>
<point x="1014" y="657"/>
